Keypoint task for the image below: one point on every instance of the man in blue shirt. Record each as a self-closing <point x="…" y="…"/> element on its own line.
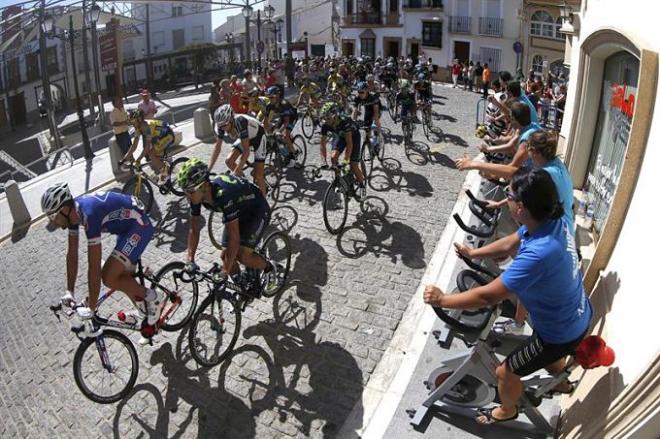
<point x="546" y="278"/>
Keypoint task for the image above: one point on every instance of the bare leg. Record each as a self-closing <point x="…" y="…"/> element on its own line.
<point x="510" y="389"/>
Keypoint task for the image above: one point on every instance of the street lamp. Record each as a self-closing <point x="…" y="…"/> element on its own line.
<point x="229" y="38"/>
<point x="93" y="16"/>
<point x="48" y="28"/>
<point x="247" y="11"/>
<point x="47" y="21"/>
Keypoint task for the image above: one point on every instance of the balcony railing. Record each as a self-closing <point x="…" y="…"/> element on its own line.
<point x="491" y="26"/>
<point x="460" y="25"/>
<point x="422" y="4"/>
<point x="370" y="18"/>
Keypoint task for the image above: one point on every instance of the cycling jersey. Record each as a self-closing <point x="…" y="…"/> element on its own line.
<point x="258" y="107"/>
<point x="117" y="214"/>
<point x="251" y="129"/>
<point x="345" y="125"/>
<point x="368" y="102"/>
<point x="283" y="110"/>
<point x="238" y="199"/>
<point x="311" y="89"/>
<point x="335" y="81"/>
<point x="157" y="133"/>
<point x="424" y="89"/>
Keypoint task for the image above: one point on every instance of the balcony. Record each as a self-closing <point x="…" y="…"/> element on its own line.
<point x="422" y="4"/>
<point x="491" y="27"/>
<point x="460" y="25"/>
<point x="370" y="19"/>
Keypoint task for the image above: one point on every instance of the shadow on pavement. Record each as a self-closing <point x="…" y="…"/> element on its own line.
<point x="171" y="227"/>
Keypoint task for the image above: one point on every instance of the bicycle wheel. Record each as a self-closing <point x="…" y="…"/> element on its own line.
<point x="425" y="126"/>
<point x="272" y="177"/>
<point x="216" y="228"/>
<point x="142" y="191"/>
<point x="367" y="159"/>
<point x="308" y="126"/>
<point x="214" y="331"/>
<point x="277" y="249"/>
<point x="391" y="106"/>
<point x="112" y="360"/>
<point x="335" y="208"/>
<point x="169" y="277"/>
<point x="174" y="170"/>
<point x="381" y="146"/>
<point x="300" y="147"/>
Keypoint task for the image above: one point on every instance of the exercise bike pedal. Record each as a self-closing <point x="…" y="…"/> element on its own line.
<point x="411" y="412"/>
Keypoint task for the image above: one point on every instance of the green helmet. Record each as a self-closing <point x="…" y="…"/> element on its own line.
<point x="193" y="173"/>
<point x="329" y="109"/>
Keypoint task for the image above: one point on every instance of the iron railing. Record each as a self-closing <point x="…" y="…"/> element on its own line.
<point x="460" y="25"/>
<point x="422" y="4"/>
<point x="491" y="26"/>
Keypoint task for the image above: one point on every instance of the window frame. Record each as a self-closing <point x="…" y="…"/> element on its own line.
<point x="429" y="42"/>
<point x="370" y="45"/>
<point x="542" y="24"/>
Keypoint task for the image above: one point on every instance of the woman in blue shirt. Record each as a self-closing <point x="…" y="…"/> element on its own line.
<point x="546" y="278"/>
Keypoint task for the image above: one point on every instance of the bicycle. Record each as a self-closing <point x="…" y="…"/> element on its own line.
<point x="229" y="297"/>
<point x="373" y="147"/>
<point x="94" y="332"/>
<point x="140" y="184"/>
<point x="391" y="102"/>
<point x="310" y="122"/>
<point x="427" y="117"/>
<point x="278" y="154"/>
<point x="407" y="127"/>
<point x="337" y="196"/>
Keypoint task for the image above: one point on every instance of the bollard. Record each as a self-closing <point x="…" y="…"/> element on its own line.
<point x="115" y="156"/>
<point x="203" y="128"/>
<point x="17" y="207"/>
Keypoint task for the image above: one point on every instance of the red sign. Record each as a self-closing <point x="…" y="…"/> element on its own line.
<point x="619" y="100"/>
<point x="108" y="43"/>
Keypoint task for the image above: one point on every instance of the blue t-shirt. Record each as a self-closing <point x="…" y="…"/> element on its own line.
<point x="546" y="277"/>
<point x="532" y="109"/>
<point x="564" y="185"/>
<point x="527" y="131"/>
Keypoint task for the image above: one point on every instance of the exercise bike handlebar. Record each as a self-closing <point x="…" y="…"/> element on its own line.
<point x="481" y="232"/>
<point x="477" y="267"/>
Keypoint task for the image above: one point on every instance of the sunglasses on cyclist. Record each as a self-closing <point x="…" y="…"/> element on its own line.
<point x="193" y="189"/>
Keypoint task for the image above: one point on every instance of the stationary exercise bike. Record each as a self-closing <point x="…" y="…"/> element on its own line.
<point x="467" y="382"/>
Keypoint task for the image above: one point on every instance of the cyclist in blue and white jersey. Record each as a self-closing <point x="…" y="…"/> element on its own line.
<point x="97" y="213"/>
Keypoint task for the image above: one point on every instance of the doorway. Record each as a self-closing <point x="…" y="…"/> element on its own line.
<point x="414" y="52"/>
<point x="348" y="48"/>
<point x="392" y="49"/>
<point x="17" y="108"/>
<point x="462" y="51"/>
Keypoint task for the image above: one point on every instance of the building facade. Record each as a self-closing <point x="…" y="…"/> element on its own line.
<point x="609" y="139"/>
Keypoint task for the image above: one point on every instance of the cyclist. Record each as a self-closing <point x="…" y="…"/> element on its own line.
<point x="157" y="137"/>
<point x="248" y="132"/>
<point x="406" y="100"/>
<point x="372" y="85"/>
<point x="311" y="91"/>
<point x="287" y="114"/>
<point x="245" y="214"/>
<point x="257" y="105"/>
<point x="423" y="88"/>
<point x="335" y="82"/>
<point x="110" y="212"/>
<point x="346" y="139"/>
<point x="371" y="103"/>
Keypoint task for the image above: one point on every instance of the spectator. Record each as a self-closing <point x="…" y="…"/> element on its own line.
<point x="478" y="71"/>
<point x="119" y="122"/>
<point x="455" y="72"/>
<point x="470" y="75"/>
<point x="485" y="79"/>
<point x="559" y="101"/>
<point x="224" y="91"/>
<point x="465" y="71"/>
<point x="248" y="83"/>
<point x="529" y="82"/>
<point x="290" y="68"/>
<point x="215" y="99"/>
<point x="520" y="76"/>
<point x="147" y="106"/>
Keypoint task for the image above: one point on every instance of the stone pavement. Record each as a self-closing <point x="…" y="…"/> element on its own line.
<point x="302" y="359"/>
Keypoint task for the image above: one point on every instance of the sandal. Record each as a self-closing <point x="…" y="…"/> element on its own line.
<point x="490" y="419"/>
<point x="571" y="385"/>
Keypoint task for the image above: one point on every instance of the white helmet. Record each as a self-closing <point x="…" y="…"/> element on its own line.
<point x="54" y="197"/>
<point x="223" y="115"/>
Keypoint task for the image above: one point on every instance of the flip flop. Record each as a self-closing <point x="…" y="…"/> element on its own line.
<point x="571" y="384"/>
<point x="490" y="419"/>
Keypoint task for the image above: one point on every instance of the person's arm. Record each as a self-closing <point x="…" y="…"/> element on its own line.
<point x="500" y="171"/>
<point x="233" y="244"/>
<point x="503" y="247"/>
<point x="94" y="274"/>
<point x="507" y="147"/>
<point x="348" y="136"/>
<point x="245" y="144"/>
<point x="72" y="260"/>
<point x="520" y="156"/>
<point x="193" y="236"/>
<point x="216" y="153"/>
<point x="131" y="150"/>
<point x="475" y="298"/>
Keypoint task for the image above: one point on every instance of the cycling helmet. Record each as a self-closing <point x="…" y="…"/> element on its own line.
<point x="331" y="71"/>
<point x="54" y="197"/>
<point x="272" y="91"/>
<point x="421" y="77"/>
<point x="370" y="77"/>
<point x="328" y="109"/>
<point x="192" y="173"/>
<point x="361" y="86"/>
<point x="405" y="85"/>
<point x="253" y="93"/>
<point x="223" y="115"/>
<point x="135" y="114"/>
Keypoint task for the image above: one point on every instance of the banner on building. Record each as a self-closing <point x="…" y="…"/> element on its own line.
<point x="108" y="43"/>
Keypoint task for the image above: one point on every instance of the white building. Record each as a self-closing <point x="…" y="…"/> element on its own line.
<point x="172" y="27"/>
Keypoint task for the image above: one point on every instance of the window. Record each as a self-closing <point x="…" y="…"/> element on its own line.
<point x="558" y="25"/>
<point x="542" y="25"/>
<point x="51" y="60"/>
<point x="492" y="56"/>
<point x="368" y="47"/>
<point x="537" y="64"/>
<point x="32" y="66"/>
<point x="178" y="39"/>
<point x="198" y="33"/>
<point x="177" y="11"/>
<point x="432" y="34"/>
<point x="157" y="40"/>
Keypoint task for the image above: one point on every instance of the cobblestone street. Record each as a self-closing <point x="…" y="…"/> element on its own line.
<point x="302" y="358"/>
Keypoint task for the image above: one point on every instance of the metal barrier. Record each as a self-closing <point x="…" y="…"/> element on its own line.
<point x="481" y="103"/>
<point x="550" y="116"/>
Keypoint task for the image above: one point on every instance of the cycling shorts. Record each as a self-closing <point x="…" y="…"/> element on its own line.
<point x="161" y="144"/>
<point x="536" y="354"/>
<point x="258" y="145"/>
<point x="251" y="227"/>
<point x="339" y="144"/>
<point x="131" y="244"/>
<point x="405" y="109"/>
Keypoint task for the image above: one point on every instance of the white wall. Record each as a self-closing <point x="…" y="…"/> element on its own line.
<point x="633" y="322"/>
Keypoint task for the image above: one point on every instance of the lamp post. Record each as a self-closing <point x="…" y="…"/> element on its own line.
<point x="45" y="79"/>
<point x="247" y="10"/>
<point x="275" y="29"/>
<point x="48" y="25"/>
<point x="229" y="38"/>
<point x="88" y="81"/>
<point x="94" y="14"/>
